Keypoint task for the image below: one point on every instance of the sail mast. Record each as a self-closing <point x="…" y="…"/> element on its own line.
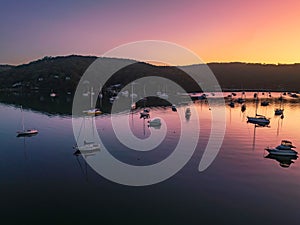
<point x="256" y="101"/>
<point x="131" y="93"/>
<point x="23" y="126"/>
<point x="92" y="92"/>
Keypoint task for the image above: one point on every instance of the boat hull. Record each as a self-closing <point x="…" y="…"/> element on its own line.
<point x="258" y="121"/>
<point x="275" y="151"/>
<point x="88" y="148"/>
<point x="278" y="112"/>
<point x="27" y="133"/>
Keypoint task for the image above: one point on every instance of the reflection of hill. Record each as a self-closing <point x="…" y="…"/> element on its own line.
<point x="62" y="105"/>
<point x="39" y="102"/>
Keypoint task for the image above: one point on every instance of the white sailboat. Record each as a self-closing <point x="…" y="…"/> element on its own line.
<point x="88" y="146"/>
<point x="164" y="95"/>
<point x="258" y="119"/>
<point x="92" y="111"/>
<point x="25" y="132"/>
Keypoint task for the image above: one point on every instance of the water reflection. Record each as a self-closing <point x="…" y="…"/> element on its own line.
<point x="284" y="161"/>
<point x="240" y="169"/>
<point x="188" y="114"/>
<point x="254" y="132"/>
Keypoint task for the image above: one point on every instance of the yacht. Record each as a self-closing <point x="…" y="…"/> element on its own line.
<point x="231" y="104"/>
<point x="87" y="146"/>
<point x="264" y="103"/>
<point x="26" y="132"/>
<point x="92" y="110"/>
<point x="174" y="108"/>
<point x="202" y="97"/>
<point x="285" y="148"/>
<point x="258" y="119"/>
<point x="53" y="94"/>
<point x="154" y="123"/>
<point x="145" y="113"/>
<point x="164" y="96"/>
<point x="279" y="111"/>
<point x="240" y="100"/>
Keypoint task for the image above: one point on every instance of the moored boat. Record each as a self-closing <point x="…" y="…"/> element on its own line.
<point x="174" y="108"/>
<point x="265" y="103"/>
<point x="145" y="113"/>
<point x="231" y="104"/>
<point x="88" y="146"/>
<point x="258" y="119"/>
<point x="285" y="148"/>
<point x="26" y="132"/>
<point x="240" y="100"/>
<point x="154" y="123"/>
<point x="279" y="112"/>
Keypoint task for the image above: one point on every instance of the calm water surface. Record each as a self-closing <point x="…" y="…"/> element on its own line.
<point x="42" y="182"/>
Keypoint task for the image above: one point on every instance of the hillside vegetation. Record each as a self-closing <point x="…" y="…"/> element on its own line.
<point x="63" y="73"/>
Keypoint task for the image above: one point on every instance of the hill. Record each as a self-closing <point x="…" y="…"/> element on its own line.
<point x="63" y="73"/>
<point x="257" y="76"/>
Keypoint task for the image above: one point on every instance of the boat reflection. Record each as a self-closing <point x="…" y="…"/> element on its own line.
<point x="188" y="114"/>
<point x="26" y="135"/>
<point x="254" y="132"/>
<point x="82" y="161"/>
<point x="24" y="144"/>
<point x="86" y="153"/>
<point x="284" y="160"/>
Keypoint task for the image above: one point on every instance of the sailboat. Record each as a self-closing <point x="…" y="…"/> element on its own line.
<point x="87" y="146"/>
<point x="241" y="100"/>
<point x="164" y="95"/>
<point x="26" y="132"/>
<point x="133" y="95"/>
<point x="258" y="119"/>
<point x="92" y="111"/>
<point x="279" y="111"/>
<point x="146" y="112"/>
<point x="285" y="148"/>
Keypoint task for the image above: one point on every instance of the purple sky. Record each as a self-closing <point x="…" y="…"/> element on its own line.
<point x="250" y="31"/>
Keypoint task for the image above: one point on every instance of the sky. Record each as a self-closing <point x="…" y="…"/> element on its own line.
<point x="217" y="31"/>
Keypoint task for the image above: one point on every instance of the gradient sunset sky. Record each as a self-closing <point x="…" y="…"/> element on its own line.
<point x="218" y="31"/>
